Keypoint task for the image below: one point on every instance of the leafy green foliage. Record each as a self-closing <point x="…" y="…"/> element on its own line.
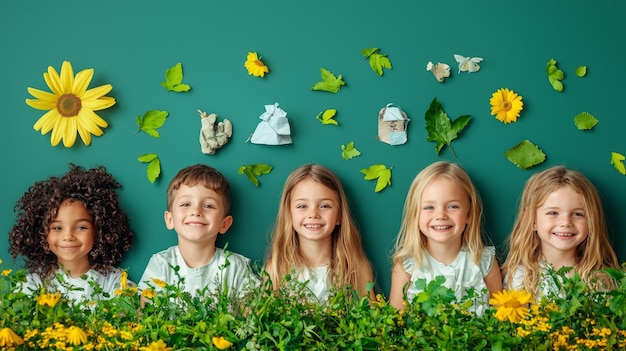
<point x="348" y="151"/>
<point x="379" y="172"/>
<point x="154" y="166"/>
<point x="326" y="117"/>
<point x="174" y="79"/>
<point x="151" y="121"/>
<point x="329" y="82"/>
<point x="585" y="121"/>
<point x="555" y="75"/>
<point x="525" y="155"/>
<point x="433" y="295"/>
<point x="378" y="61"/>
<point x="439" y="127"/>
<point x="581" y="71"/>
<point x="254" y="171"/>
<point x="617" y="160"/>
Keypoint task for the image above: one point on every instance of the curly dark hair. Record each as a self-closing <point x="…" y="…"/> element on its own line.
<point x="96" y="189"/>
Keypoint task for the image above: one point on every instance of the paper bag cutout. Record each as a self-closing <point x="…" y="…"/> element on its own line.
<point x="392" y="125"/>
<point x="274" y="127"/>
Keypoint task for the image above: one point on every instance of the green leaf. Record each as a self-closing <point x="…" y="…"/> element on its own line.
<point x="525" y="155"/>
<point x="174" y="79"/>
<point x="151" y="121"/>
<point x="439" y="127"/>
<point x="377" y="61"/>
<point x="585" y="121"/>
<point x="255" y="170"/>
<point x="348" y="151"/>
<point x="581" y="71"/>
<point x="326" y="117"/>
<point x="555" y="75"/>
<point x="329" y="82"/>
<point x="617" y="160"/>
<point x="154" y="166"/>
<point x="380" y="172"/>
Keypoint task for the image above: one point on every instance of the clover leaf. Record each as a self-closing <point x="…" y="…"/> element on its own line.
<point x="329" y="82"/>
<point x="617" y="160"/>
<point x="377" y="61"/>
<point x="525" y="155"/>
<point x="555" y="75"/>
<point x="174" y="79"/>
<point x="379" y="172"/>
<point x="439" y="127"/>
<point x="348" y="151"/>
<point x="585" y="121"/>
<point x="326" y="117"/>
<point x="154" y="165"/>
<point x="255" y="170"/>
<point x="151" y="121"/>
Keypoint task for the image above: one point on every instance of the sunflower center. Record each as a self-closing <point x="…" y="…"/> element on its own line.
<point x="68" y="105"/>
<point x="506" y="106"/>
<point x="512" y="304"/>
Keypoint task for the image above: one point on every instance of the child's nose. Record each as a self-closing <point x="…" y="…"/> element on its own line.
<point x="68" y="234"/>
<point x="313" y="213"/>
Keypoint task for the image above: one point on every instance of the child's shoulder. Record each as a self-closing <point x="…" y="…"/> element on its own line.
<point x="231" y="256"/>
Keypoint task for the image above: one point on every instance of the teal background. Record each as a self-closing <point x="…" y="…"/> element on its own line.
<point x="130" y="44"/>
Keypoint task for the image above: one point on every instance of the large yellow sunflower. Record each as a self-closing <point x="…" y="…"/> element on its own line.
<point x="70" y="105"/>
<point x="255" y="66"/>
<point x="511" y="304"/>
<point x="506" y="105"/>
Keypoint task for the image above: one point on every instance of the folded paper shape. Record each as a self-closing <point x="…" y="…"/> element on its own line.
<point x="274" y="127"/>
<point x="392" y="125"/>
<point x="213" y="134"/>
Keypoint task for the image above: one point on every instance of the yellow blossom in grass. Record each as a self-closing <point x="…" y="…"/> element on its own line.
<point x="76" y="336"/>
<point x="506" y="105"/>
<point x="255" y="66"/>
<point x="70" y="105"/>
<point x="221" y="343"/>
<point x="148" y="293"/>
<point x="511" y="304"/>
<point x="9" y="338"/>
<point x="48" y="299"/>
<point x="156" y="346"/>
<point x="159" y="282"/>
<point x="6" y="272"/>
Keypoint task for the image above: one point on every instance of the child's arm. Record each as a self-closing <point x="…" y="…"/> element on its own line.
<point x="493" y="280"/>
<point x="399" y="279"/>
<point x="366" y="276"/>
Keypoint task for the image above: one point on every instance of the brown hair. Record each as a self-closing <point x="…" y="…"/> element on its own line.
<point x="205" y="175"/>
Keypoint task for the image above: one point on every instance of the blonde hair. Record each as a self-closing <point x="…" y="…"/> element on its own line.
<point x="411" y="242"/>
<point x="524" y="244"/>
<point x="347" y="253"/>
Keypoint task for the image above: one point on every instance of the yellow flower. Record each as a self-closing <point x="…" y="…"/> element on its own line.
<point x="76" y="336"/>
<point x="9" y="338"/>
<point x="70" y="105"/>
<point x="255" y="66"/>
<point x="159" y="282"/>
<point x="506" y="105"/>
<point x="124" y="279"/>
<point x="148" y="293"/>
<point x="221" y="343"/>
<point x="6" y="271"/>
<point x="48" y="299"/>
<point x="511" y="304"/>
<point x="156" y="346"/>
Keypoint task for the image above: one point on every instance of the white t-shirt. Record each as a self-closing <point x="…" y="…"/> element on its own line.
<point x="546" y="282"/>
<point x="460" y="275"/>
<point x="76" y="289"/>
<point x="214" y="275"/>
<point x="318" y="280"/>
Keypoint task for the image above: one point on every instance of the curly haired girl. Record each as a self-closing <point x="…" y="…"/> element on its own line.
<point x="71" y="230"/>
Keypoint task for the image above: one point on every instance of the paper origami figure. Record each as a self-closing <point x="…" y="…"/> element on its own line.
<point x="213" y="136"/>
<point x="440" y="70"/>
<point x="274" y="127"/>
<point x="392" y="125"/>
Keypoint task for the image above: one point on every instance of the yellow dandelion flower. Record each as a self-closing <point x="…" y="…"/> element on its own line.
<point x="159" y="282"/>
<point x="506" y="105"/>
<point x="6" y="271"/>
<point x="8" y="338"/>
<point x="124" y="280"/>
<point x="156" y="346"/>
<point x="221" y="343"/>
<point x="48" y="299"/>
<point x="148" y="293"/>
<point x="255" y="66"/>
<point x="511" y="304"/>
<point x="76" y="336"/>
<point x="70" y="105"/>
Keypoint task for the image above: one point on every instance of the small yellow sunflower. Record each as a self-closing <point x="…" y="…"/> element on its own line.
<point x="76" y="336"/>
<point x="48" y="299"/>
<point x="255" y="66"/>
<point x="511" y="304"/>
<point x="70" y="105"/>
<point x="156" y="346"/>
<point x="506" y="105"/>
<point x="8" y="338"/>
<point x="221" y="343"/>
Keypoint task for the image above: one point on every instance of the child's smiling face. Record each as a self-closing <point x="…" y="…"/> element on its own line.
<point x="70" y="237"/>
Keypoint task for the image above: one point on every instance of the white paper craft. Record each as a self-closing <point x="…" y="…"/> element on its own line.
<point x="440" y="70"/>
<point x="213" y="135"/>
<point x="274" y="127"/>
<point x="469" y="64"/>
<point x="392" y="125"/>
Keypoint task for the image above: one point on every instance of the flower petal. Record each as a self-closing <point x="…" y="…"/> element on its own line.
<point x="47" y="121"/>
<point x="67" y="77"/>
<point x="83" y="78"/>
<point x="97" y="92"/>
<point x="93" y="117"/>
<point x="41" y="105"/>
<point x="91" y="122"/>
<point x="43" y="95"/>
<point x="53" y="81"/>
<point x="70" y="132"/>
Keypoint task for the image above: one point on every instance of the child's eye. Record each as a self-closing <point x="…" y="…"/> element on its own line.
<point x="209" y="206"/>
<point x="579" y="214"/>
<point x="428" y="208"/>
<point x="326" y="206"/>
<point x="55" y="228"/>
<point x="454" y="206"/>
<point x="552" y="213"/>
<point x="300" y="206"/>
<point x="184" y="204"/>
<point x="82" y="227"/>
